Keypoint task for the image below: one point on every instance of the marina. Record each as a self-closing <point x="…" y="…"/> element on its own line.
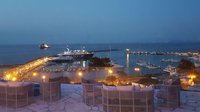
<point x="99" y="56"/>
<point x="187" y="54"/>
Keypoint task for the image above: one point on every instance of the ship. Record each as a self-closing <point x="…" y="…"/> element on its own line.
<point x="44" y="46"/>
<point x="77" y="54"/>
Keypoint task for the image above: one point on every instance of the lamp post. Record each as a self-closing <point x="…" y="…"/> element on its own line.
<point x="80" y="74"/>
<point x="43" y="78"/>
<point x="110" y="71"/>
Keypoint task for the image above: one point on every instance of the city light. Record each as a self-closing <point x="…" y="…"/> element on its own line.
<point x="127" y="49"/>
<point x="43" y="77"/>
<point x="191" y="80"/>
<point x="80" y="73"/>
<point x="34" y="73"/>
<point x="110" y="71"/>
<point x="8" y="76"/>
<point x="193" y="76"/>
<point x="21" y="72"/>
<point x="14" y="79"/>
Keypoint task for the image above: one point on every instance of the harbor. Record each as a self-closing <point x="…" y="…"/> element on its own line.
<point x="187" y="54"/>
<point x="99" y="56"/>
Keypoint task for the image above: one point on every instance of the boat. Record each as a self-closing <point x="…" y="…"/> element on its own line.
<point x="194" y="58"/>
<point x="197" y="65"/>
<point x="169" y="60"/>
<point x="77" y="54"/>
<point x="170" y="69"/>
<point x="141" y="63"/>
<point x="152" y="66"/>
<point x="44" y="46"/>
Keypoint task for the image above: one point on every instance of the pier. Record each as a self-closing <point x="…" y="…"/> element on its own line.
<point x="19" y="73"/>
<point x="105" y="50"/>
<point x="128" y="51"/>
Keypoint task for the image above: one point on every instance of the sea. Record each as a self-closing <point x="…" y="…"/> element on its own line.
<point x="19" y="54"/>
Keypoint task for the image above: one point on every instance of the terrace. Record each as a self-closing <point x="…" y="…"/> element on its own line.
<point x="72" y="101"/>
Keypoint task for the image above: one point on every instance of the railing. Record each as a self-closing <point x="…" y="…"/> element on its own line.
<point x="16" y="96"/>
<point x="167" y="96"/>
<point x="50" y="91"/>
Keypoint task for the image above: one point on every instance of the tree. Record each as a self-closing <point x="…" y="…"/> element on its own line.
<point x="111" y="78"/>
<point x="148" y="81"/>
<point x="99" y="62"/>
<point x="185" y="66"/>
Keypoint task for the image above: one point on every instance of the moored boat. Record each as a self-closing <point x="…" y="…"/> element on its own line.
<point x="152" y="66"/>
<point x="169" y="60"/>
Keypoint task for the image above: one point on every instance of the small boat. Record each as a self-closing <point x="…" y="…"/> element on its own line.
<point x="197" y="65"/>
<point x="77" y="54"/>
<point x="169" y="60"/>
<point x="44" y="46"/>
<point x="194" y="58"/>
<point x="141" y="63"/>
<point x="170" y="69"/>
<point x="152" y="66"/>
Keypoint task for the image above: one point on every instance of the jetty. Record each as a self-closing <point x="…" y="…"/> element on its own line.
<point x="105" y="50"/>
<point x="128" y="51"/>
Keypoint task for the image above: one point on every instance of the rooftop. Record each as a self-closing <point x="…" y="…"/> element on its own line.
<point x="71" y="101"/>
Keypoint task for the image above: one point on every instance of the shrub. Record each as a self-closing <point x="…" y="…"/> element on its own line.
<point x="99" y="62"/>
<point x="185" y="66"/>
<point x="148" y="81"/>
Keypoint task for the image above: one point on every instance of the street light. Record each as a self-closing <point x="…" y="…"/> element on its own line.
<point x="80" y="74"/>
<point x="110" y="71"/>
<point x="43" y="78"/>
<point x="34" y="73"/>
<point x="14" y="79"/>
<point x="8" y="76"/>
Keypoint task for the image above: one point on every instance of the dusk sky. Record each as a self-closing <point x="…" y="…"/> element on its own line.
<point x="98" y="21"/>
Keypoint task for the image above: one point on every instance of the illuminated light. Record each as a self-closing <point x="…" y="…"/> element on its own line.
<point x="8" y="76"/>
<point x="80" y="74"/>
<point x="193" y="76"/>
<point x="34" y="73"/>
<point x="137" y="69"/>
<point x="45" y="59"/>
<point x="43" y="77"/>
<point x="127" y="49"/>
<point x="14" y="79"/>
<point x="110" y="71"/>
<point x="192" y="84"/>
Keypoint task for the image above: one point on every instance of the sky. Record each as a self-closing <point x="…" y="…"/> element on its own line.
<point x="98" y="21"/>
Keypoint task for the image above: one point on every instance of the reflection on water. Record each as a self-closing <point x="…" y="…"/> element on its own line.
<point x="127" y="63"/>
<point x="127" y="60"/>
<point x="84" y="64"/>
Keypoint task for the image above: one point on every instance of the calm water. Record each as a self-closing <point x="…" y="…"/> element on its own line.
<point x="15" y="54"/>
